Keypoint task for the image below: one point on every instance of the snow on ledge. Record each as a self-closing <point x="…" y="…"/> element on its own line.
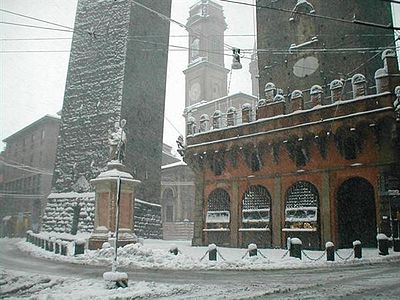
<point x="175" y="164"/>
<point x="71" y="195"/>
<point x="147" y="203"/>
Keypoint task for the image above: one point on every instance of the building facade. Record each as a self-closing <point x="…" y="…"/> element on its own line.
<point x="28" y="163"/>
<point x="177" y="201"/>
<point x="322" y="173"/>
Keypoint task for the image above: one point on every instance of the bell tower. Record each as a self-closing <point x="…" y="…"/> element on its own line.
<point x="206" y="76"/>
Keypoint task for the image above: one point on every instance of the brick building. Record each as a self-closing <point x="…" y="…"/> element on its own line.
<point x="28" y="163"/>
<point x="321" y="173"/>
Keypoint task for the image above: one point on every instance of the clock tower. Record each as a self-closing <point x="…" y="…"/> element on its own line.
<point x="206" y="76"/>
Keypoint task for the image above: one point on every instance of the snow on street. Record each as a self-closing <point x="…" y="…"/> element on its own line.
<point x="27" y="271"/>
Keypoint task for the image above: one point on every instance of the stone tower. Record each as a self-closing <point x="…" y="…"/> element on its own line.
<point x="306" y="50"/>
<point x="206" y="76"/>
<point x="117" y="70"/>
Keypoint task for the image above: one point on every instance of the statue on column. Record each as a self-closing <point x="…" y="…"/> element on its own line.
<point x="117" y="141"/>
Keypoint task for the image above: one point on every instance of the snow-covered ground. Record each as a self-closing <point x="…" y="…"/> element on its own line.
<point x="154" y="254"/>
<point x="310" y="279"/>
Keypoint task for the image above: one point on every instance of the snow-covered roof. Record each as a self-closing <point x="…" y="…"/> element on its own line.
<point x="175" y="164"/>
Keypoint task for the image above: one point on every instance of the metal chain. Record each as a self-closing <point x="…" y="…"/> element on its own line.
<point x="245" y="254"/>
<point x="262" y="255"/>
<point x="347" y="258"/>
<point x="220" y="255"/>
<point x="204" y="255"/>
<point x="285" y="254"/>
<point x="314" y="259"/>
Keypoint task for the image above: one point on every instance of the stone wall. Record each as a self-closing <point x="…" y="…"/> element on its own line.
<point x="69" y="212"/>
<point x="75" y="212"/>
<point x="147" y="220"/>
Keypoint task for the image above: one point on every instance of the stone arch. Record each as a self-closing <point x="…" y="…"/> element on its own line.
<point x="356" y="212"/>
<point x="302" y="213"/>
<point x="256" y="216"/>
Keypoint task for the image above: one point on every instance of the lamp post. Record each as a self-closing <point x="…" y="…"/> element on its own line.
<point x="115" y="263"/>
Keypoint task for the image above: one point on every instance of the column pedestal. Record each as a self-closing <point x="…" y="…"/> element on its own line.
<point x="105" y="214"/>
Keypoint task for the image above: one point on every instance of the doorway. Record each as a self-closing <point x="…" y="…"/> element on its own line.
<point x="356" y="213"/>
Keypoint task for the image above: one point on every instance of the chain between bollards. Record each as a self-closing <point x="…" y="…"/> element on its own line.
<point x="284" y="255"/>
<point x="313" y="259"/>
<point x="347" y="258"/>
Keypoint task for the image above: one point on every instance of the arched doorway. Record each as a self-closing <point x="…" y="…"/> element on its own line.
<point x="356" y="213"/>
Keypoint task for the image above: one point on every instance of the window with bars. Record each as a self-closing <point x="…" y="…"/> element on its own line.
<point x="256" y="207"/>
<point x="302" y="201"/>
<point x="218" y="207"/>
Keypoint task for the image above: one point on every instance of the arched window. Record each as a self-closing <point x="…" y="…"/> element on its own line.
<point x="218" y="209"/>
<point x="302" y="202"/>
<point x="168" y="203"/>
<point x="256" y="207"/>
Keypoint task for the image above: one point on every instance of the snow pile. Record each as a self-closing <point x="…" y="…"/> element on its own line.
<point x="155" y="254"/>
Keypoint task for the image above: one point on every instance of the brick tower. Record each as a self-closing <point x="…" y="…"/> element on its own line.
<point x="117" y="70"/>
<point x="309" y="49"/>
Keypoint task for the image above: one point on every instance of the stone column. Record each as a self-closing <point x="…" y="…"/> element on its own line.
<point x="106" y="196"/>
<point x="276" y="213"/>
<point x="325" y="211"/>
<point x="198" y="208"/>
<point x="235" y="204"/>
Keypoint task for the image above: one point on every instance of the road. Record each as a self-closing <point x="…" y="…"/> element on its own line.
<point x="360" y="281"/>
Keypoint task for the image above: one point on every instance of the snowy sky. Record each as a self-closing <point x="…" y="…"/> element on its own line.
<point x="32" y="83"/>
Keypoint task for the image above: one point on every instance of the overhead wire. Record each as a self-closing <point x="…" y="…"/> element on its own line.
<point x="34" y="26"/>
<point x="314" y="15"/>
<point x="36" y="19"/>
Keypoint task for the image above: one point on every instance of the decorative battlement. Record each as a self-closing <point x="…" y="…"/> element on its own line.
<point x="334" y="100"/>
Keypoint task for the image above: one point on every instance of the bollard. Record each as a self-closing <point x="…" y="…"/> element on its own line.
<point x="79" y="247"/>
<point x="357" y="249"/>
<point x="57" y="246"/>
<point x="51" y="244"/>
<point x="63" y="248"/>
<point x="252" y="248"/>
<point x="396" y="245"/>
<point x="115" y="280"/>
<point x="383" y="244"/>
<point x="295" y="247"/>
<point x="46" y="245"/>
<point x="330" y="251"/>
<point x="174" y="250"/>
<point x="28" y="235"/>
<point x="212" y="252"/>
